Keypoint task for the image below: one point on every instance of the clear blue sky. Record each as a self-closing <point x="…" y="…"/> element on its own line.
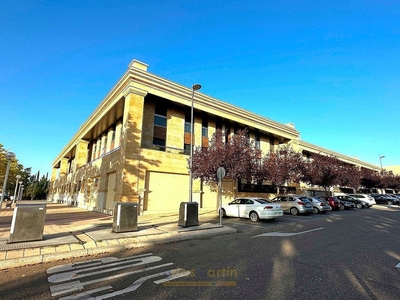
<point x="330" y="67"/>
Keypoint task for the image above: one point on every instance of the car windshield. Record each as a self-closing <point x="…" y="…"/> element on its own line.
<point x="262" y="201"/>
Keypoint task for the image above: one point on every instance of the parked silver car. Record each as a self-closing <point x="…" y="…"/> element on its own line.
<point x="293" y="204"/>
<point x="365" y="198"/>
<point x="319" y="206"/>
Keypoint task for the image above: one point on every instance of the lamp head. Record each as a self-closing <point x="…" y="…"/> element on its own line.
<point x="196" y="87"/>
<point x="10" y="155"/>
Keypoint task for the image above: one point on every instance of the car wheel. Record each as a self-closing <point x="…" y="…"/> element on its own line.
<point x="390" y="202"/>
<point x="223" y="213"/>
<point x="254" y="216"/>
<point x="359" y="205"/>
<point x="315" y="210"/>
<point x="341" y="206"/>
<point x="294" y="211"/>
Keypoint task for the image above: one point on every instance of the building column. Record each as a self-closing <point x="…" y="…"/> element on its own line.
<point x="109" y="140"/>
<point x="81" y="153"/>
<point x="54" y="172"/>
<point x="130" y="148"/>
<point x="118" y="131"/>
<point x="64" y="166"/>
<point x="103" y="144"/>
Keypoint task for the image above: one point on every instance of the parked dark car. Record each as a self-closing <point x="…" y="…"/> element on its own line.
<point x="357" y="202"/>
<point x="6" y="197"/>
<point x="385" y="199"/>
<point x="346" y="205"/>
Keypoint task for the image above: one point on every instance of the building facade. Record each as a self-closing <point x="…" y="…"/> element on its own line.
<point x="135" y="146"/>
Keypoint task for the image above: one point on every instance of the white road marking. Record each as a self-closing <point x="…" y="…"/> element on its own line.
<point x="286" y="234"/>
<point x="89" y="263"/>
<point x="171" y="275"/>
<point x="398" y="265"/>
<point x="77" y="274"/>
<point x="73" y="286"/>
<point x="70" y="287"/>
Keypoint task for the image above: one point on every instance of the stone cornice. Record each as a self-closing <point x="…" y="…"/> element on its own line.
<point x="178" y="93"/>
<point x="131" y="89"/>
<point x="316" y="149"/>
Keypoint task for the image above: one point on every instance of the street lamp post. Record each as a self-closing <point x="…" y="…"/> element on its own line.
<point x="380" y="158"/>
<point x="195" y="87"/>
<point x="16" y="187"/>
<point x="21" y="192"/>
<point x="9" y="157"/>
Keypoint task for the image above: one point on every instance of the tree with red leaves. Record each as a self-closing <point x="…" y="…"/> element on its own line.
<point x="236" y="153"/>
<point x="349" y="176"/>
<point x="284" y="166"/>
<point x="370" y="178"/>
<point x="389" y="180"/>
<point x="322" y="170"/>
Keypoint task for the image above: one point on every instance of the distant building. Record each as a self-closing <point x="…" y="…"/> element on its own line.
<point x="134" y="147"/>
<point x="394" y="169"/>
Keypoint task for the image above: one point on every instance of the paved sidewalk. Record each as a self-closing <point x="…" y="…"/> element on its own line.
<point x="75" y="232"/>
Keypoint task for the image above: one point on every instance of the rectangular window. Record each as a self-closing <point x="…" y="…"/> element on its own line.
<point x="160" y="120"/>
<point x="159" y="144"/>
<point x="187" y="131"/>
<point x="218" y="124"/>
<point x="187" y="149"/>
<point x="188" y="128"/>
<point x="160" y="127"/>
<point x="204" y="126"/>
<point x="257" y="140"/>
<point x="204" y="131"/>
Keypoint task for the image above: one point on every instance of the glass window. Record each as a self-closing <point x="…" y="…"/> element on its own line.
<point x="204" y="131"/>
<point x="186" y="148"/>
<point x="188" y="127"/>
<point x="159" y="142"/>
<point x="160" y="120"/>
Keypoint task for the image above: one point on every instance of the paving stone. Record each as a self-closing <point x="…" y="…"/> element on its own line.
<point x="113" y="242"/>
<point x="62" y="248"/>
<point x="32" y="252"/>
<point x="78" y="246"/>
<point x="15" y="254"/>
<point x="90" y="245"/>
<point x="48" y="250"/>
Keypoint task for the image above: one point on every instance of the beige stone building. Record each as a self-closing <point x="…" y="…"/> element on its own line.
<point x="134" y="147"/>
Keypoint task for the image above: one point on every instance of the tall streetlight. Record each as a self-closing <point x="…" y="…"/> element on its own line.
<point x="195" y="87"/>
<point x="9" y="157"/>
<point x="21" y="192"/>
<point x="380" y="158"/>
<point x="16" y="187"/>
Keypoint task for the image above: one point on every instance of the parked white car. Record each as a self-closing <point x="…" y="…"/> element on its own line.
<point x="364" y="197"/>
<point x="253" y="208"/>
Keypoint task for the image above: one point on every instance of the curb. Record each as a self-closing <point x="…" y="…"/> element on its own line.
<point x="153" y="240"/>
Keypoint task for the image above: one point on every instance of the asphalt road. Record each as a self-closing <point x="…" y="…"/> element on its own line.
<point x="340" y="255"/>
